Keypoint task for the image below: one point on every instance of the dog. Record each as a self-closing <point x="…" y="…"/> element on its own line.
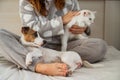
<point x="84" y="19"/>
<point x="32" y="40"/>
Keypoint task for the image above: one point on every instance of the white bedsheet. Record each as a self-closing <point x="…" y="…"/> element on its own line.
<point x="110" y="71"/>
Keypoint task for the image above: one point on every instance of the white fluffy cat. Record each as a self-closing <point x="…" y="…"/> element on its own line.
<point x="84" y="19"/>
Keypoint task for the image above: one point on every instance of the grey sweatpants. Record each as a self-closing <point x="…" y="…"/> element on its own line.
<point x="12" y="51"/>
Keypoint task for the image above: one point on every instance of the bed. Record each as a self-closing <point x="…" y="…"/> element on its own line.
<point x="110" y="71"/>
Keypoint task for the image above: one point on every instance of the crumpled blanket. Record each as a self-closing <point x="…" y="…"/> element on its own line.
<point x="110" y="71"/>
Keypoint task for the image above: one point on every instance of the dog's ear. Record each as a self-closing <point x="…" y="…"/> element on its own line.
<point x="25" y="30"/>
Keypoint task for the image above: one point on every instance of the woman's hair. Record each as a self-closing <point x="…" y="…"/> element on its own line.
<point x="39" y="5"/>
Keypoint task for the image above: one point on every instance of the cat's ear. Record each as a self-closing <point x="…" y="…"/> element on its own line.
<point x="94" y="12"/>
<point x="85" y="13"/>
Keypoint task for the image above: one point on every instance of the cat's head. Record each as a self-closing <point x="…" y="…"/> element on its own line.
<point x="88" y="16"/>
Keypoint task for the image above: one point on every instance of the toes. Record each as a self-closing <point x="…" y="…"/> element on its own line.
<point x="62" y="70"/>
<point x="62" y="66"/>
<point x="61" y="74"/>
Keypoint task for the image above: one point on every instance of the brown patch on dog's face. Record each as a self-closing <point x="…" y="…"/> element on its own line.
<point x="29" y="34"/>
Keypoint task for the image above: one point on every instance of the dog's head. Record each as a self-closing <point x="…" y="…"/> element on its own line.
<point x="31" y="38"/>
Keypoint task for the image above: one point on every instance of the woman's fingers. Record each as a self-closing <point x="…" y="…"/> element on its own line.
<point x="61" y="66"/>
<point x="76" y="13"/>
<point x="60" y="74"/>
<point x="77" y="30"/>
<point x="72" y="14"/>
<point x="66" y="18"/>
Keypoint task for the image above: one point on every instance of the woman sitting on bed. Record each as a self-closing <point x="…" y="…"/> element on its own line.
<point x="41" y="15"/>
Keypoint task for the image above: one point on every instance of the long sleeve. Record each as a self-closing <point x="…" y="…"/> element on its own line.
<point x="76" y="6"/>
<point x="46" y="27"/>
<point x="50" y="27"/>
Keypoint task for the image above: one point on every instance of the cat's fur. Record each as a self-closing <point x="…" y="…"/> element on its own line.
<point x="84" y="19"/>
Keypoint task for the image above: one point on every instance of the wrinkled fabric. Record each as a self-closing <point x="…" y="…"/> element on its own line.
<point x="13" y="51"/>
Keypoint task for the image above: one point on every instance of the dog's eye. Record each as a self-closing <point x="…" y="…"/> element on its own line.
<point x="90" y="18"/>
<point x="35" y="34"/>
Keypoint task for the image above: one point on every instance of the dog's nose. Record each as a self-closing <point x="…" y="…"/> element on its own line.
<point x="44" y="42"/>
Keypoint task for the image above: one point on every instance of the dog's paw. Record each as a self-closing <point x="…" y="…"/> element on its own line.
<point x="64" y="48"/>
<point x="28" y="61"/>
<point x="79" y="65"/>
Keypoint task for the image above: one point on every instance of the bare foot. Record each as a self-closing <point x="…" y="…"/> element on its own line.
<point x="52" y="69"/>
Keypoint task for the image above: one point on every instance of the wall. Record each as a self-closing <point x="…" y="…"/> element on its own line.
<point x="98" y="6"/>
<point x="9" y="17"/>
<point x="112" y="23"/>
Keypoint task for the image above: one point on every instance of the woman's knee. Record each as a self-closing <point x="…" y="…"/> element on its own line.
<point x="101" y="46"/>
<point x="4" y="35"/>
<point x="1" y="32"/>
<point x="92" y="49"/>
<point x="98" y="51"/>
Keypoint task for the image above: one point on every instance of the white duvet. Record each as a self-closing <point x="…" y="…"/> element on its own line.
<point x="110" y="71"/>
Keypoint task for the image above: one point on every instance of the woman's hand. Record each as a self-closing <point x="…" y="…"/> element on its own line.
<point x="67" y="17"/>
<point x="52" y="69"/>
<point x="77" y="30"/>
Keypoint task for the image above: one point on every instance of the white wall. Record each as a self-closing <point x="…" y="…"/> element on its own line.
<point x="9" y="17"/>
<point x="112" y="23"/>
<point x="98" y="6"/>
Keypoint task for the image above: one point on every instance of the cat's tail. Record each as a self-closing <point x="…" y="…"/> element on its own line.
<point x="89" y="65"/>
